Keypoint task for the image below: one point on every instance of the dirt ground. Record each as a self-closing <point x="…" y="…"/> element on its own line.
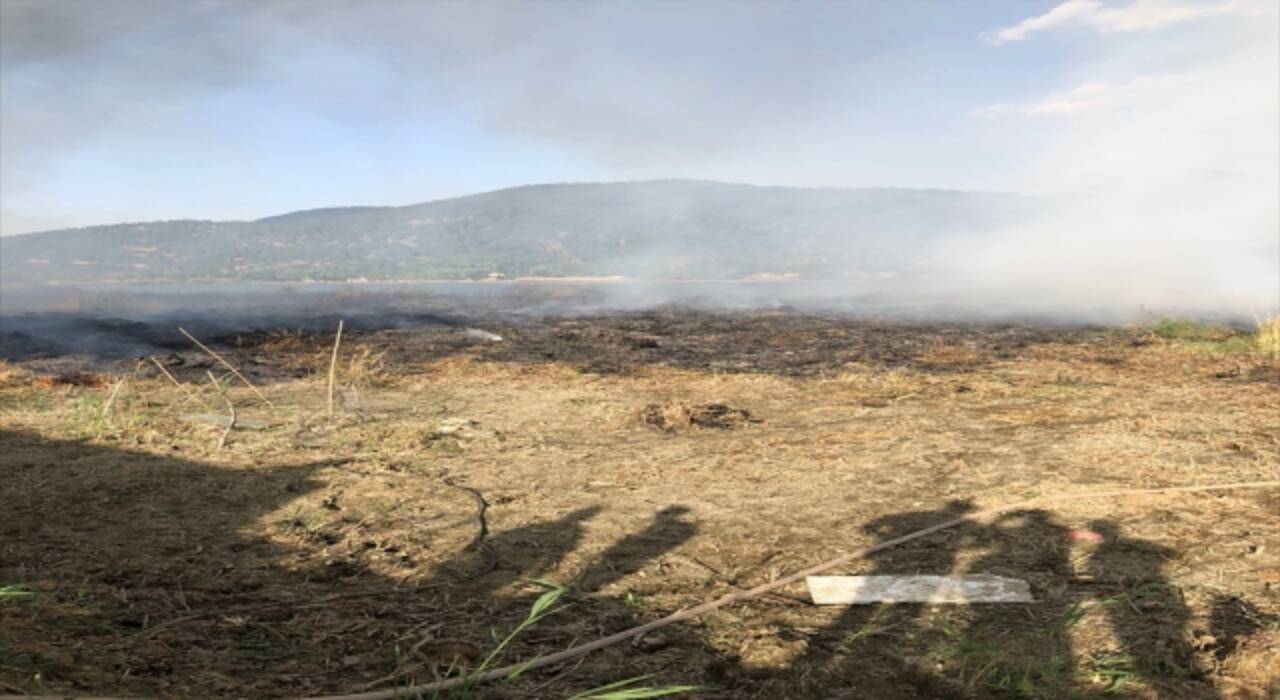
<point x="649" y="462"/>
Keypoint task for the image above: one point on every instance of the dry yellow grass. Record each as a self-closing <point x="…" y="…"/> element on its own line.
<point x="1254" y="671"/>
<point x="1268" y="337"/>
<point x="11" y="376"/>
<point x="366" y="367"/>
<point x="1179" y="600"/>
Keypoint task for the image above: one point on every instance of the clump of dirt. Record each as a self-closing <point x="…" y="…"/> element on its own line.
<point x="453" y="435"/>
<point x="675" y="416"/>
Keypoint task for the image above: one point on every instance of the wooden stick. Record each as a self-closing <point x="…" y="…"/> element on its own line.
<point x="333" y="367"/>
<point x="231" y="422"/>
<point x="226" y="364"/>
<point x="180" y="385"/>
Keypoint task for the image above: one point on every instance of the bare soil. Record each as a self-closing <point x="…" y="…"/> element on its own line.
<point x="649" y="462"/>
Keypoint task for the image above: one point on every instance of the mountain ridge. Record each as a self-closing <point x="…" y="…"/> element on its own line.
<point x="656" y="228"/>
<point x="355" y="208"/>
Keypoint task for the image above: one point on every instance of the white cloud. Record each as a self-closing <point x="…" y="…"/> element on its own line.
<point x="1141" y="15"/>
<point x="1082" y="98"/>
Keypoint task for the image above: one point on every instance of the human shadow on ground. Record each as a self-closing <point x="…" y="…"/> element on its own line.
<point x="844" y="660"/>
<point x="148" y="579"/>
<point x="1148" y="614"/>
<point x="1010" y="650"/>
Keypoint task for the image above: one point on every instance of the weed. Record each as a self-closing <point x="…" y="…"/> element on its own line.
<point x="1202" y="337"/>
<point x="87" y="417"/>
<point x="1068" y="619"/>
<point x="1131" y="597"/>
<point x="1112" y="672"/>
<point x="628" y="690"/>
<point x="870" y="629"/>
<point x="36" y="401"/>
<point x="542" y="607"/>
<point x="14" y="591"/>
<point x="1267" y="338"/>
<point x="1182" y="329"/>
<point x="546" y="604"/>
<point x="1004" y="667"/>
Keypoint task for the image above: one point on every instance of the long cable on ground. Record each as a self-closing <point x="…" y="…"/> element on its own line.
<point x="739" y="596"/>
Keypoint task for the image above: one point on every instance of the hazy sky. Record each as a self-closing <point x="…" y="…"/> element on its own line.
<point x="120" y="110"/>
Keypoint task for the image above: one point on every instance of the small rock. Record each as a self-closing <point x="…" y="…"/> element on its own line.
<point x="651" y="642"/>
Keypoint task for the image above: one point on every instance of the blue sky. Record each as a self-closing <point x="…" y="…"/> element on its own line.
<point x="126" y="110"/>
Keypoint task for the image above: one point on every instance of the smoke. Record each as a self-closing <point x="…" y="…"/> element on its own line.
<point x="1154" y="142"/>
<point x="1168" y="183"/>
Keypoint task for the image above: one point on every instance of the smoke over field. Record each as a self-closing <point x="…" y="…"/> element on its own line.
<point x="361" y="349"/>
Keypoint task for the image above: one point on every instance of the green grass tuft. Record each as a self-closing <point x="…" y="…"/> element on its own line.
<point x="1203" y="337"/>
<point x="15" y="591"/>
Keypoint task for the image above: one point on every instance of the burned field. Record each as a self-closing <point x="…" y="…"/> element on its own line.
<point x="646" y="462"/>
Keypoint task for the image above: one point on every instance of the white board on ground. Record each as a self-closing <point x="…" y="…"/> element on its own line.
<point x="864" y="590"/>
<point x="477" y="334"/>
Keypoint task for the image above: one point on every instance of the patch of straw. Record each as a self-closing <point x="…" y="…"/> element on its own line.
<point x="11" y="376"/>
<point x="367" y="367"/>
<point x="1268" y="337"/>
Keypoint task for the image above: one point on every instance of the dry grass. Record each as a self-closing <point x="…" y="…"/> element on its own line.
<point x="280" y="342"/>
<point x="674" y="416"/>
<point x="11" y="376"/>
<point x="118" y="527"/>
<point x="1253" y="669"/>
<point x="1268" y="337"/>
<point x="367" y="367"/>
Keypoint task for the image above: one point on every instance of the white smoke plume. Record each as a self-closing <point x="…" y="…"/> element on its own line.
<point x="1166" y="189"/>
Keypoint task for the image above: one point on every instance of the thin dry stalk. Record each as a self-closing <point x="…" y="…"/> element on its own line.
<point x="333" y="369"/>
<point x="226" y="364"/>
<point x="352" y="400"/>
<point x="111" y="400"/>
<point x="183" y="387"/>
<point x="231" y="421"/>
